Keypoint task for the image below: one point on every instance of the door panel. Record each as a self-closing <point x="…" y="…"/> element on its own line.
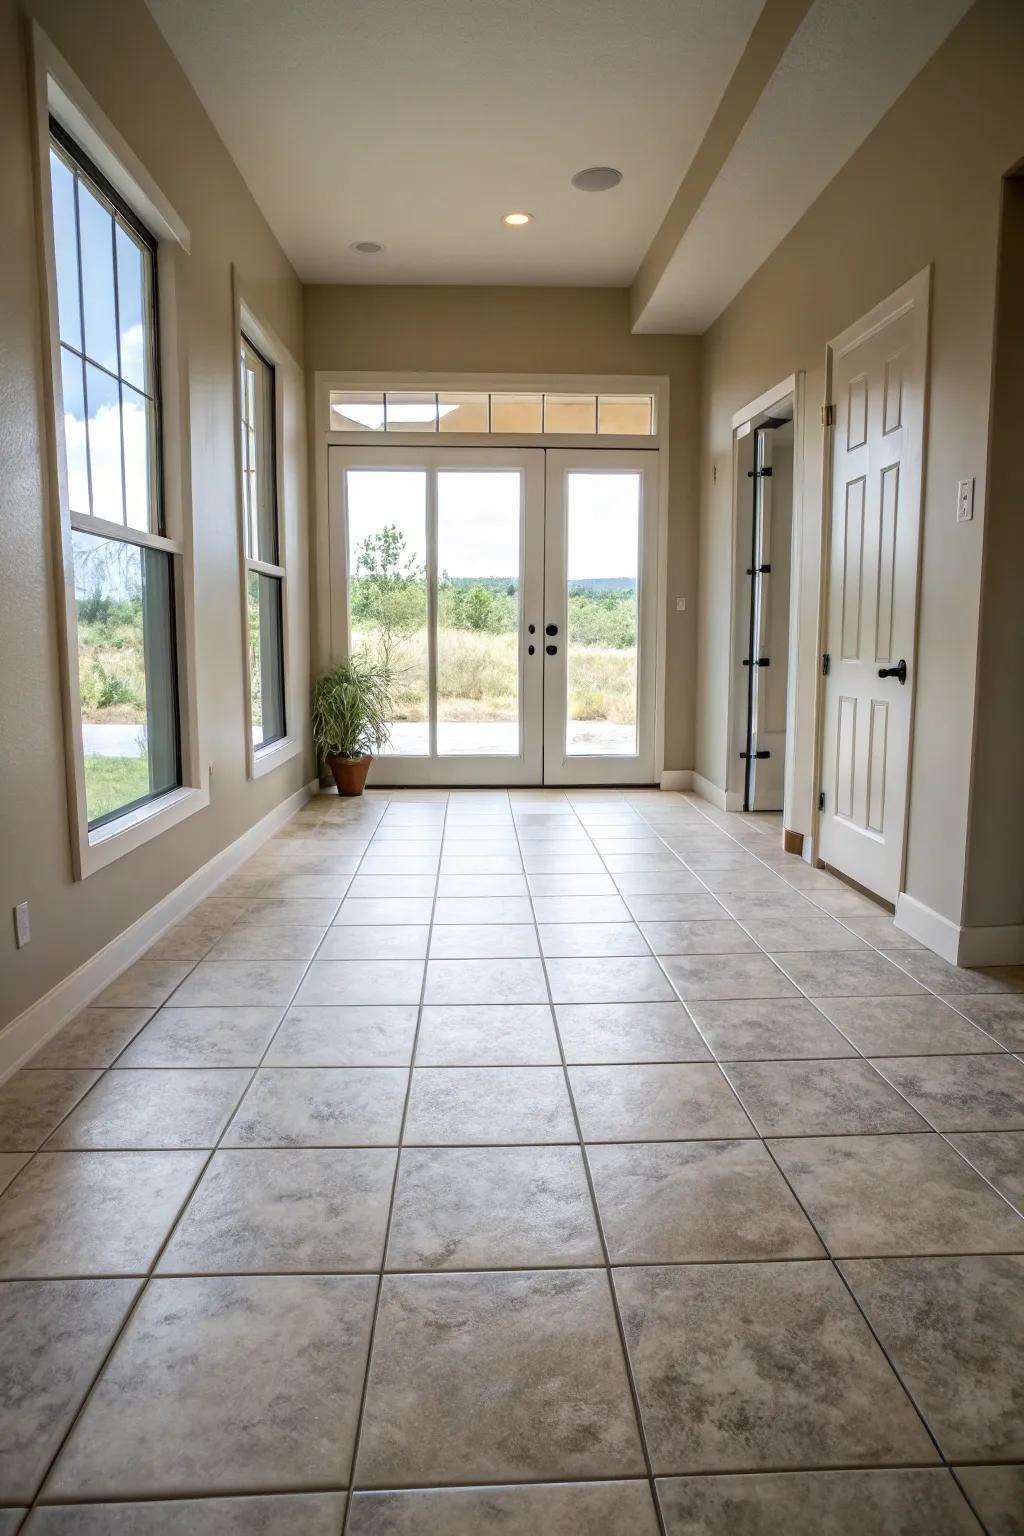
<point x="437" y="555"/>
<point x="600" y="593"/>
<point x="878" y="383"/>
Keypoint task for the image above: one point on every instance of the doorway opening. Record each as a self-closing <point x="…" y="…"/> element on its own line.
<point x="515" y="590"/>
<point x="761" y="738"/>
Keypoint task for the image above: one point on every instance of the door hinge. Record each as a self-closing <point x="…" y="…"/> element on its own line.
<point x="821" y="800"/>
<point x="826" y="664"/>
<point x="828" y="415"/>
<point x="758" y="570"/>
<point x="760" y="474"/>
<point x="762" y="661"/>
<point x="754" y="754"/>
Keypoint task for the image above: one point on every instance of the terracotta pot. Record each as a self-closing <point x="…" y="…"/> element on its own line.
<point x="350" y="773"/>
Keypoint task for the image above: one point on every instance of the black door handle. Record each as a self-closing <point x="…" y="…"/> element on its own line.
<point x="530" y="650"/>
<point x="532" y="628"/>
<point x="552" y="650"/>
<point x="551" y="629"/>
<point x="899" y="671"/>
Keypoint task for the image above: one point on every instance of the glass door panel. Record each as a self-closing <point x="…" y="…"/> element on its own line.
<point x="387" y="592"/>
<point x="600" y="616"/>
<point x="602" y="570"/>
<point x="479" y="616"/>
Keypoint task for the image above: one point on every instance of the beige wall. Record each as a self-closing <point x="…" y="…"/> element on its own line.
<point x="537" y="330"/>
<point x="924" y="188"/>
<point x="120" y="56"/>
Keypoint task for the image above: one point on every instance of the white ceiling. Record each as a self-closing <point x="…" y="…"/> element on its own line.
<point x="844" y="68"/>
<point x="419" y="123"/>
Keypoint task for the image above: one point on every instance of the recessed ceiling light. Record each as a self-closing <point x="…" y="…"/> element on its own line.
<point x="367" y="247"/>
<point x="516" y="219"/>
<point x="597" y="178"/>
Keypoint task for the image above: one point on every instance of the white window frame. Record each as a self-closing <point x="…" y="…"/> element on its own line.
<point x="57" y="92"/>
<point x="288" y="383"/>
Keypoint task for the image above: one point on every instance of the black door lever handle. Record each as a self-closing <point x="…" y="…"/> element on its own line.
<point x="900" y="671"/>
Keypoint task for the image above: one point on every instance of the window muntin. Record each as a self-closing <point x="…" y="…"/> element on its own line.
<point x="105" y="265"/>
<point x="124" y="640"/>
<point x="485" y="412"/>
<point x="264" y="568"/>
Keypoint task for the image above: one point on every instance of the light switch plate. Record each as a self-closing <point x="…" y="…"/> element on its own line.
<point x="965" y="500"/>
<point x="22" y="928"/>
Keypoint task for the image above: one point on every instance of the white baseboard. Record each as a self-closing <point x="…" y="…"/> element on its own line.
<point x="30" y="1031"/>
<point x="677" y="779"/>
<point x="958" y="945"/>
<point x="992" y="946"/>
<point x="721" y="799"/>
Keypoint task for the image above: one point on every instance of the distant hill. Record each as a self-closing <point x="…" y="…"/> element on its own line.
<point x="508" y="583"/>
<point x="604" y="584"/>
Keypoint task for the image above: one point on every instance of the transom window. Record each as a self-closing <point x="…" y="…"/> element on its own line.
<point x="264" y="567"/>
<point x="125" y="571"/>
<point x="486" y="412"/>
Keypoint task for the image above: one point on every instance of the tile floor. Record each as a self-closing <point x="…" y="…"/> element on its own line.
<point x="566" y="1163"/>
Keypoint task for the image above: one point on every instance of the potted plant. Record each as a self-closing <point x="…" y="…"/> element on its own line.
<point x="351" y="706"/>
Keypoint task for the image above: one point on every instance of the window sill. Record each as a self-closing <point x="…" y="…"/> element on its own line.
<point x="264" y="760"/>
<point x="110" y="842"/>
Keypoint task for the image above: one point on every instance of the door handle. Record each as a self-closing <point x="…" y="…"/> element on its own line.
<point x="551" y="629"/>
<point x="552" y="650"/>
<point x="900" y="671"/>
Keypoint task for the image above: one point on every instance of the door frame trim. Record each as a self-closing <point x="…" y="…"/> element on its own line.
<point x="915" y="294"/>
<point x="323" y="649"/>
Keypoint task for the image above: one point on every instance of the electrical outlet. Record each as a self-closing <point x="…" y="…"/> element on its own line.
<point x="22" y="928"/>
<point x="965" y="501"/>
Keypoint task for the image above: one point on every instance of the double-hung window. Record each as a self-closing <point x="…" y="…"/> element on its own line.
<point x="125" y="568"/>
<point x="264" y="557"/>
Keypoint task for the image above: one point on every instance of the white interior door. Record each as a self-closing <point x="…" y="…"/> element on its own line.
<point x="439" y="553"/>
<point x="600" y="624"/>
<point x="878" y="385"/>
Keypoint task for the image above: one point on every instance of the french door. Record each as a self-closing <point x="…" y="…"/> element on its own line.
<point x="513" y="593"/>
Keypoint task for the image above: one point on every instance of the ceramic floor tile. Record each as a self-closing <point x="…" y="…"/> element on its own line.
<point x="844" y="973"/>
<point x="746" y="1366"/>
<point x="567" y="940"/>
<point x="483" y="909"/>
<point x="418" y="888"/>
<point x="34" y="1102"/>
<point x="998" y="1157"/>
<point x="10" y="1164"/>
<point x="312" y="885"/>
<point x="11" y="1521"/>
<point x="420" y="864"/>
<point x="787" y="931"/>
<point x="1002" y="1015"/>
<point x="453" y="1106"/>
<point x="370" y="941"/>
<point x="289" y="911"/>
<point x="752" y="906"/>
<point x="724" y="883"/>
<point x="913" y="1501"/>
<point x="663" y="882"/>
<point x="225" y="1383"/>
<point x="93" y="1038"/>
<point x="484" y="1035"/>
<point x="152" y="1111"/>
<point x="727" y="976"/>
<point x="340" y="1036"/>
<point x="443" y="1342"/>
<point x="276" y="941"/>
<point x="320" y="1107"/>
<point x="485" y="887"/>
<point x="676" y="909"/>
<point x="485" y="981"/>
<point x="492" y="1208"/>
<point x="702" y="937"/>
<point x="938" y="974"/>
<point x="384" y="911"/>
<point x="627" y="1032"/>
<point x="705" y="1201"/>
<point x="291" y="1514"/>
<point x="903" y="1026"/>
<point x="481" y="864"/>
<point x="656" y="1103"/>
<point x="329" y="982"/>
<point x="238" y="983"/>
<point x="203" y="1037"/>
<point x="878" y="1195"/>
<point x="997" y="1493"/>
<point x="92" y="1213"/>
<point x="469" y="941"/>
<point x="556" y="1509"/>
<point x="819" y="1098"/>
<point x="56" y="1334"/>
<point x="765" y="1029"/>
<point x="961" y="1093"/>
<point x="307" y="1209"/>
<point x="954" y="1329"/>
<point x="881" y="932"/>
<point x="623" y="979"/>
<point x="557" y="885"/>
<point x="146" y="984"/>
